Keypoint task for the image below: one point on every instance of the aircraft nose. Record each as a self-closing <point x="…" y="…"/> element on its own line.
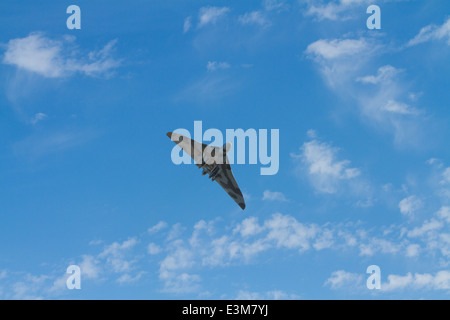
<point x="169" y="134"/>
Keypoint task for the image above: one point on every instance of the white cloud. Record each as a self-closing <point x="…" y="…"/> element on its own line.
<point x="175" y="280"/>
<point x="199" y="228"/>
<point x="182" y="283"/>
<point x="153" y="248"/>
<point x="435" y="161"/>
<point x="341" y="61"/>
<point x="444" y="213"/>
<point x="37" y="54"/>
<point x="116" y="248"/>
<point x="43" y="143"/>
<point x="324" y="241"/>
<point x="59" y="285"/>
<point x="343" y="279"/>
<point x="379" y="245"/>
<point x="249" y="227"/>
<point x="268" y="295"/>
<point x="210" y="15"/>
<point x="275" y="5"/>
<point x="98" y="62"/>
<point x="418" y="281"/>
<point x="432" y="32"/>
<point x="286" y="231"/>
<point x="221" y="250"/>
<point x="254" y="18"/>
<point x="127" y="278"/>
<point x="446" y="176"/>
<point x="427" y="226"/>
<point x="399" y="108"/>
<point x="333" y="10"/>
<point x="274" y="196"/>
<point x="312" y="134"/>
<point x="187" y="24"/>
<point x="384" y="74"/>
<point x="89" y="267"/>
<point x="183" y="258"/>
<point x="439" y="281"/>
<point x="115" y="255"/>
<point x="38" y="117"/>
<point x="324" y="170"/>
<point x="412" y="250"/>
<point x="30" y="288"/>
<point x="157" y="227"/>
<point x="329" y="11"/>
<point x="57" y="58"/>
<point x="175" y="231"/>
<point x="214" y="65"/>
<point x="247" y="240"/>
<point x="213" y="87"/>
<point x="408" y="206"/>
<point x="337" y="48"/>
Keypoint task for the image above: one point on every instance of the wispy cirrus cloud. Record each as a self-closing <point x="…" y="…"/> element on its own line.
<point x="381" y="98"/>
<point x="418" y="281"/>
<point x="399" y="108"/>
<point x="216" y="65"/>
<point x="43" y="143"/>
<point x="38" y="117"/>
<point x="432" y="32"/>
<point x="333" y="10"/>
<point x="340" y="59"/>
<point x="157" y="227"/>
<point x="267" y="295"/>
<point x="337" y="48"/>
<point x="275" y="5"/>
<point x="384" y="74"/>
<point x="51" y="58"/>
<point x="213" y="86"/>
<point x="444" y="213"/>
<point x="274" y="196"/>
<point x="210" y="15"/>
<point x="187" y="24"/>
<point x="254" y="18"/>
<point x="426" y="228"/>
<point x="343" y="279"/>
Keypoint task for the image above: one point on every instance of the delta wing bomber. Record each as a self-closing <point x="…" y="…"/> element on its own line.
<point x="213" y="161"/>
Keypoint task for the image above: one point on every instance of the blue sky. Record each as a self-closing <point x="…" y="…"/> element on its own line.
<point x="87" y="177"/>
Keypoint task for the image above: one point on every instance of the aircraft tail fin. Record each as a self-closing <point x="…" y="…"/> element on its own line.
<point x="226" y="147"/>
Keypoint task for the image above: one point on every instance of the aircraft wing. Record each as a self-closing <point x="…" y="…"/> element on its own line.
<point x="226" y="180"/>
<point x="191" y="147"/>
